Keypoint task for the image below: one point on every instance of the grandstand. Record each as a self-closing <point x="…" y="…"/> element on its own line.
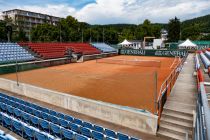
<point x="105" y="48"/>
<point x="12" y="52"/>
<point x="33" y="121"/>
<point x="59" y="50"/>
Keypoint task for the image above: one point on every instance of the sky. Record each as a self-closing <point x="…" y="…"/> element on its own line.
<point x="114" y="11"/>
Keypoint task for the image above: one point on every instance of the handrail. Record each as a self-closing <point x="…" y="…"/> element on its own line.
<point x="166" y="84"/>
<point x="205" y="109"/>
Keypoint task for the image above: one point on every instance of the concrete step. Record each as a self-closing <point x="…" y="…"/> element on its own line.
<point x="183" y="100"/>
<point x="176" y="123"/>
<point x="179" y="112"/>
<point x="184" y="95"/>
<point x="169" y="135"/>
<point x="174" y="105"/>
<point x="177" y="116"/>
<point x="176" y="130"/>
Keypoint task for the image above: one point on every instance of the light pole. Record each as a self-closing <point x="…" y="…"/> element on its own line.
<point x="16" y="69"/>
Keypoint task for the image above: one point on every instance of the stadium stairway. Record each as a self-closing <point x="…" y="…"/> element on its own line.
<point x="177" y="116"/>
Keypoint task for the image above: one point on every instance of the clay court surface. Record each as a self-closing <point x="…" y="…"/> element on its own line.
<point x="127" y="85"/>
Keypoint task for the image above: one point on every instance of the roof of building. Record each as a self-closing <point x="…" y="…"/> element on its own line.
<point x="30" y="12"/>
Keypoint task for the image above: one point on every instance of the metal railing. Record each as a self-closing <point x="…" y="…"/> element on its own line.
<point x="167" y="86"/>
<point x="202" y="117"/>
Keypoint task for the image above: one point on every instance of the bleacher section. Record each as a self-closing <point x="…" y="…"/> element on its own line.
<point x="105" y="48"/>
<point x="85" y="48"/>
<point x="12" y="52"/>
<point x="33" y="121"/>
<point x="59" y="50"/>
<point x="4" y="136"/>
<point x="46" y="50"/>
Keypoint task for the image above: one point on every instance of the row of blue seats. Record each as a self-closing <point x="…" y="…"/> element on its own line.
<point x="63" y="120"/>
<point x="4" y="136"/>
<point x="11" y="52"/>
<point x="104" y="47"/>
<point x="53" y="125"/>
<point x="22" y="129"/>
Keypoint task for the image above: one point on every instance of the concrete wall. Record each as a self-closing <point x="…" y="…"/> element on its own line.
<point x="132" y="118"/>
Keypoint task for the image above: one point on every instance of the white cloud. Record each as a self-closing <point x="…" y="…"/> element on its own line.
<point x="126" y="11"/>
<point x="61" y="10"/>
<point x="135" y="11"/>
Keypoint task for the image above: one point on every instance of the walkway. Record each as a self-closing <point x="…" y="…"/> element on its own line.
<point x="177" y="115"/>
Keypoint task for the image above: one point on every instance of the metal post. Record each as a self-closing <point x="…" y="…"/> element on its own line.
<point x="82" y="36"/>
<point x="60" y="32"/>
<point x="103" y="36"/>
<point x="155" y="93"/>
<point x="16" y="69"/>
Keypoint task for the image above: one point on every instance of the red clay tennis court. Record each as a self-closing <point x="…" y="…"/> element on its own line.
<point x="122" y="80"/>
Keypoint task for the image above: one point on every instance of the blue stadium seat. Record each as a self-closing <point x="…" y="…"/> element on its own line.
<point x="88" y="125"/>
<point x="80" y="137"/>
<point x="44" y="125"/>
<point x="28" y="133"/>
<point x="45" y="110"/>
<point x="34" y="121"/>
<point x="63" y="123"/>
<point x="21" y="107"/>
<point x="45" y="116"/>
<point x="61" y="115"/>
<point x="10" y="110"/>
<point x="0" y="118"/>
<point x="97" y="135"/>
<point x="122" y="136"/>
<point x="74" y="127"/>
<point x="7" y="122"/>
<point x="26" y="117"/>
<point x="53" y="119"/>
<point x="17" y="127"/>
<point x="29" y="110"/>
<point x="86" y="132"/>
<point x="98" y="128"/>
<point x="52" y="112"/>
<point x="110" y="133"/>
<point x="17" y="113"/>
<point x="67" y="134"/>
<point x="69" y="118"/>
<point x="40" y="136"/>
<point x="37" y="113"/>
<point x="3" y="107"/>
<point x="55" y="130"/>
<point x="78" y="121"/>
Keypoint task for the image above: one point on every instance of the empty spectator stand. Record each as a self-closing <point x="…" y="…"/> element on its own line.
<point x="105" y="48"/>
<point x="32" y="121"/>
<point x="46" y="50"/>
<point x="59" y="50"/>
<point x="12" y="52"/>
<point x="84" y="48"/>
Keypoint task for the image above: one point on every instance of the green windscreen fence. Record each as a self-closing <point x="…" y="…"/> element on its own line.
<point x="11" y="68"/>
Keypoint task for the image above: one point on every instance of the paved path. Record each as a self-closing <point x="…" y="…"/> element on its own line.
<point x="177" y="116"/>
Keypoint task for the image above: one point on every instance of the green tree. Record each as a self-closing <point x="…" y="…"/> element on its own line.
<point x="191" y="32"/>
<point x="174" y="26"/>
